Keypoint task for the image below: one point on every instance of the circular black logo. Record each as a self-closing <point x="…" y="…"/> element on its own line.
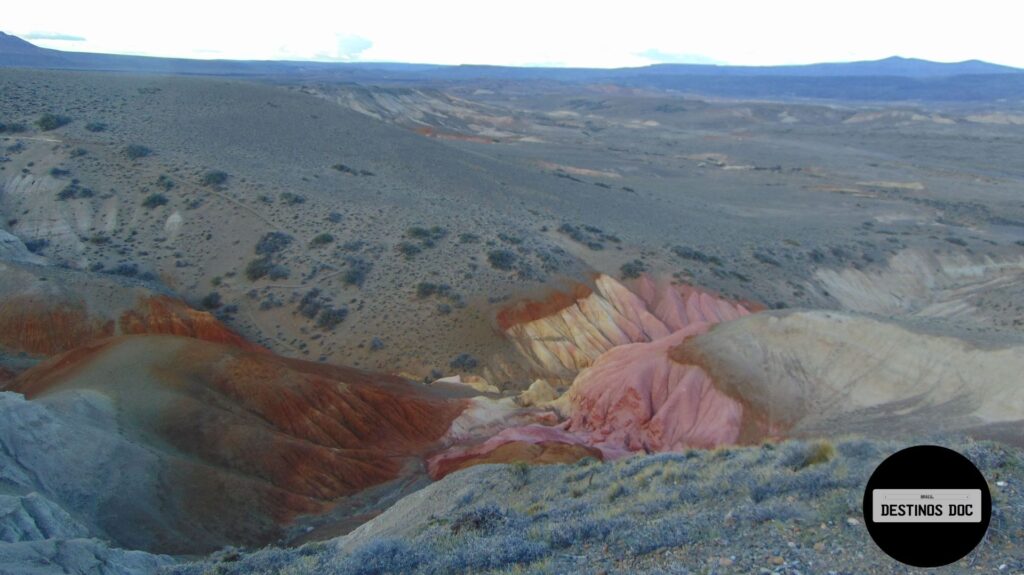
<point x="927" y="506"/>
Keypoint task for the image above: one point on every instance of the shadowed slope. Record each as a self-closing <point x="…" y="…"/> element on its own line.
<point x="239" y="442"/>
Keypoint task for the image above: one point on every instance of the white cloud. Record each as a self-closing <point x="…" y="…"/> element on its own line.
<point x="54" y="36"/>
<point x="528" y="32"/>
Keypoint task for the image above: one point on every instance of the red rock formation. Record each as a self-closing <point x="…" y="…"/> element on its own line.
<point x="283" y="437"/>
<point x="45" y="324"/>
<point x="166" y="315"/>
<point x="41" y="326"/>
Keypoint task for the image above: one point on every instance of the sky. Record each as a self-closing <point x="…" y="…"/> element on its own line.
<point x="531" y="32"/>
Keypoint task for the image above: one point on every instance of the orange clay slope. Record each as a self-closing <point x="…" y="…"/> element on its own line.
<point x="45" y="311"/>
<point x="247" y="441"/>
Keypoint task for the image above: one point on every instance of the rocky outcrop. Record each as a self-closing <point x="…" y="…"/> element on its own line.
<point x="182" y="445"/>
<point x="13" y="249"/>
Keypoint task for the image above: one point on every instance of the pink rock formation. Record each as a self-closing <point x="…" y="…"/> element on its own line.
<point x="637" y="398"/>
<point x="628" y="393"/>
<point x="569" y="331"/>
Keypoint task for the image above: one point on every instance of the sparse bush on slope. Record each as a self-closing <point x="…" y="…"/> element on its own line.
<point x="669" y="509"/>
<point x="137" y="151"/>
<point x="48" y="122"/>
<point x="214" y="179"/>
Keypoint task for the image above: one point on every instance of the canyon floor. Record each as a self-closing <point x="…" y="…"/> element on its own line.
<point x="291" y="325"/>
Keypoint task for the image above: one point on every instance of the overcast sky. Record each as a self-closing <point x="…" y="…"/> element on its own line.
<point x="530" y="32"/>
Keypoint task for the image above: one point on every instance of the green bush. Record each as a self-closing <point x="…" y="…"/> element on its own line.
<point x="165" y="182"/>
<point x="264" y="267"/>
<point x="633" y="269"/>
<point x="321" y="240"/>
<point x="155" y="201"/>
<point x="501" y="259"/>
<point x="96" y="127"/>
<point x="358" y="268"/>
<point x="214" y="178"/>
<point x="48" y="122"/>
<point x="136" y="151"/>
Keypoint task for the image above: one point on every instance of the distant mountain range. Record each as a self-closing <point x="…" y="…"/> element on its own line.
<point x="891" y="79"/>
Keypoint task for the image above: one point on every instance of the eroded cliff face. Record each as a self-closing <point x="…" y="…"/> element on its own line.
<point x="568" y="331"/>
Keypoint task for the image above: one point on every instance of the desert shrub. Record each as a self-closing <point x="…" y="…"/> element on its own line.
<point x="155" y="201"/>
<point x="351" y="171"/>
<point x="576" y="530"/>
<point x="214" y="178"/>
<point x="265" y="267"/>
<point x="501" y="259"/>
<point x="96" y="127"/>
<point x="331" y="317"/>
<point x="48" y="122"/>
<point x="468" y="238"/>
<point x="12" y="127"/>
<point x="513" y="240"/>
<point x="212" y="300"/>
<point x="334" y="217"/>
<point x="74" y="191"/>
<point x="427" y="289"/>
<point x="292" y="199"/>
<point x="356" y="272"/>
<point x="310" y="304"/>
<point x="688" y="253"/>
<point x="381" y="556"/>
<point x="376" y="344"/>
<point x="408" y="249"/>
<point x="485" y="519"/>
<point x="78" y="152"/>
<point x="271" y="301"/>
<point x="765" y="258"/>
<point x="127" y="269"/>
<point x="809" y="483"/>
<point x="781" y="511"/>
<point x="136" y="151"/>
<point x="165" y="182"/>
<point x="37" y="245"/>
<point x="273" y="242"/>
<point x="480" y="554"/>
<point x="590" y="236"/>
<point x="463" y="362"/>
<point x="428" y="237"/>
<point x="353" y="246"/>
<point x="321" y="240"/>
<point x="59" y="172"/>
<point x="633" y="269"/>
<point x="798" y="455"/>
